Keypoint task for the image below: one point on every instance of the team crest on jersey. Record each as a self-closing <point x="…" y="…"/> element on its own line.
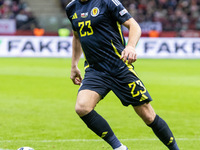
<point x="84" y="15"/>
<point x="95" y="12"/>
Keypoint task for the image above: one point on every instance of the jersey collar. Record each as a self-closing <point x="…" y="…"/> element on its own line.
<point x="84" y="1"/>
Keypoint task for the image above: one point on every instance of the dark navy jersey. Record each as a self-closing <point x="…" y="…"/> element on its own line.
<point x="98" y="24"/>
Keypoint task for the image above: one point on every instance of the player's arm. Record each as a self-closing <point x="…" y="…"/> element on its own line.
<point x="134" y="36"/>
<point x="76" y="54"/>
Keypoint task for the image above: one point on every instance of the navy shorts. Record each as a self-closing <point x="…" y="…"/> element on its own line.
<point x="126" y="85"/>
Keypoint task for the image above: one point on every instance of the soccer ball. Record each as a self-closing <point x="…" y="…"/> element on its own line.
<point x="25" y="148"/>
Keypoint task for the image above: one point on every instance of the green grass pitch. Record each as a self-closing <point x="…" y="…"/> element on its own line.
<point x="37" y="101"/>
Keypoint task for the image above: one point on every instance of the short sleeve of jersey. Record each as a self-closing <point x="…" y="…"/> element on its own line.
<point x="68" y="10"/>
<point x="118" y="12"/>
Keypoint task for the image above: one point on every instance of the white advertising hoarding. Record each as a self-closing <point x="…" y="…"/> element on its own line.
<point x="31" y="46"/>
<point x="169" y="48"/>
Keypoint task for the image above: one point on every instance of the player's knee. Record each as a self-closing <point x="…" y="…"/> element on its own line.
<point x="146" y="112"/>
<point x="148" y="119"/>
<point x="82" y="110"/>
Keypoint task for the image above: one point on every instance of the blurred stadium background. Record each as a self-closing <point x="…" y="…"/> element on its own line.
<point x="37" y="97"/>
<point x="171" y="18"/>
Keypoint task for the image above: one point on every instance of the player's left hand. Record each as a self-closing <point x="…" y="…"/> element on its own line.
<point x="129" y="54"/>
<point x="76" y="76"/>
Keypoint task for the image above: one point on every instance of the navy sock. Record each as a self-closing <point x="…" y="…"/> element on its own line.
<point x="163" y="132"/>
<point x="100" y="126"/>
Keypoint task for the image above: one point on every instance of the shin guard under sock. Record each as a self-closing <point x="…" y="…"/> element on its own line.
<point x="163" y="132"/>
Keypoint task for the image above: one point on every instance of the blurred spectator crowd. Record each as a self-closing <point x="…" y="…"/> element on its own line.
<point x="18" y="10"/>
<point x="175" y="15"/>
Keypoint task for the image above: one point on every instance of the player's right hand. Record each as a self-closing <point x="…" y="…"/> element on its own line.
<point x="76" y="76"/>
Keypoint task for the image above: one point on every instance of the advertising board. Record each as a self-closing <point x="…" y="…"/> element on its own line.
<point x="31" y="46"/>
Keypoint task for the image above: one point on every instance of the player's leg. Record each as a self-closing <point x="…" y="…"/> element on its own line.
<point x="131" y="91"/>
<point x="158" y="125"/>
<point x="85" y="104"/>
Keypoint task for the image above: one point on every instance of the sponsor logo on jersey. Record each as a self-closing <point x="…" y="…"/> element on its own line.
<point x="123" y="12"/>
<point x="95" y="12"/>
<point x="75" y="16"/>
<point x="84" y="15"/>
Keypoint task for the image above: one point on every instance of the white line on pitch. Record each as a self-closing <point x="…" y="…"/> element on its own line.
<point x="92" y="140"/>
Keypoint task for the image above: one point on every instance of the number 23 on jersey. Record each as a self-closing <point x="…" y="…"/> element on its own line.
<point x="85" y="24"/>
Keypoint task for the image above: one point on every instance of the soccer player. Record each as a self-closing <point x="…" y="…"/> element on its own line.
<point x="97" y="31"/>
